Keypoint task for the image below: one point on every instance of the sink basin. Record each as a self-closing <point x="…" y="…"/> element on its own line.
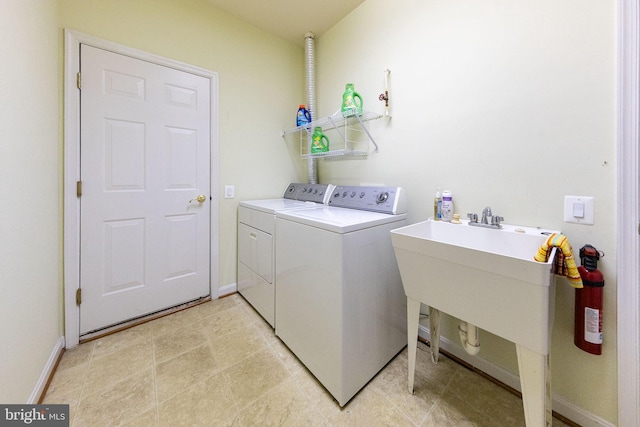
<point x="484" y="276"/>
<point x="488" y="278"/>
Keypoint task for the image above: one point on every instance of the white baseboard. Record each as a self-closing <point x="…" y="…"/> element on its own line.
<point x="561" y="406"/>
<point x="47" y="372"/>
<point x="227" y="289"/>
<point x="577" y="414"/>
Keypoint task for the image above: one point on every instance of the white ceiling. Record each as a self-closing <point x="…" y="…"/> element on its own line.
<point x="289" y="19"/>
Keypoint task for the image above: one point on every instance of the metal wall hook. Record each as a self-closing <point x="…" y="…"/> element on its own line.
<point x="385" y="96"/>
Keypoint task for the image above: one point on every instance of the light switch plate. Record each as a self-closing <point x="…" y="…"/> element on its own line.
<point x="229" y="191"/>
<point x="579" y="209"/>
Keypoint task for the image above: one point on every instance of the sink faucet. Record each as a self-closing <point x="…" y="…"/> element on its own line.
<point x="494" y="222"/>
<point x="486" y="212"/>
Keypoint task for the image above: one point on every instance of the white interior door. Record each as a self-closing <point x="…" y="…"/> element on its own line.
<point x="145" y="159"/>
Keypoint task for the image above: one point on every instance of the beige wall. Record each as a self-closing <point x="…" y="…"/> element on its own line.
<point x="30" y="194"/>
<point x="507" y="104"/>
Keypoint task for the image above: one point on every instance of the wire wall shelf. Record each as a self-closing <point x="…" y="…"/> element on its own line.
<point x="348" y="135"/>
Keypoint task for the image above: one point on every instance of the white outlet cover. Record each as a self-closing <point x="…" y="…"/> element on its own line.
<point x="575" y="206"/>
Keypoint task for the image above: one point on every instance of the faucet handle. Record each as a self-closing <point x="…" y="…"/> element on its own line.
<point x="495" y="220"/>
<point x="472" y="217"/>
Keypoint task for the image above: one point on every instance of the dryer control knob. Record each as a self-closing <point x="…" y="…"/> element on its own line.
<point x="382" y="197"/>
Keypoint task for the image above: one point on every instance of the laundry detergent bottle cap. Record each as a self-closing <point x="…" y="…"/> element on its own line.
<point x="351" y="100"/>
<point x="303" y="117"/>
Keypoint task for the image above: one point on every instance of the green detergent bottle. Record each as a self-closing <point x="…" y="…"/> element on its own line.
<point x="319" y="141"/>
<point x="351" y="100"/>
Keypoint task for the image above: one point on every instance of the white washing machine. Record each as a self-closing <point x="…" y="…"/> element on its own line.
<point x="341" y="307"/>
<point x="256" y="228"/>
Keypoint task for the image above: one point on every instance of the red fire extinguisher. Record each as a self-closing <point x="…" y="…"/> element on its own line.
<point x="588" y="315"/>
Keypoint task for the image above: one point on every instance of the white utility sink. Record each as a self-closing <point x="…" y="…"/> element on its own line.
<point x="486" y="277"/>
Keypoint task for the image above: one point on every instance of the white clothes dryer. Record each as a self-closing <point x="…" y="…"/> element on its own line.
<point x="341" y="307"/>
<point x="256" y="251"/>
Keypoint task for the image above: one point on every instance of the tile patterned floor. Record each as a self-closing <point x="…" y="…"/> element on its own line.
<point x="219" y="364"/>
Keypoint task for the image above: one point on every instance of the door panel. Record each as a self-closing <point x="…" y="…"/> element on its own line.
<point x="124" y="155"/>
<point x="145" y="157"/>
<point x="182" y="236"/>
<point x="124" y="254"/>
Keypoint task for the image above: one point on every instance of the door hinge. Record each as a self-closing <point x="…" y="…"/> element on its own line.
<point x="79" y="188"/>
<point x="79" y="80"/>
<point x="79" y="296"/>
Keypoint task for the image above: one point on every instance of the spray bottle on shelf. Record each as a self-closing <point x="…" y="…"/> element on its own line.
<point x="437" y="206"/>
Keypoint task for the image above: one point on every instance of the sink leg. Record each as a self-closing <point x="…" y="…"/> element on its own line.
<point x="413" y="320"/>
<point x="535" y="380"/>
<point x="434" y="326"/>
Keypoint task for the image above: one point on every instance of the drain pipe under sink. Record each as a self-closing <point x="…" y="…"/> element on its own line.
<point x="469" y="338"/>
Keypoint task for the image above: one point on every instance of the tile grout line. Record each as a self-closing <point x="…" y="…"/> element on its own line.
<point x="221" y="371"/>
<point x="154" y="375"/>
<point x="83" y="384"/>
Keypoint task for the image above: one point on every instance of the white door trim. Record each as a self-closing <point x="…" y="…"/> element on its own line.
<point x="628" y="270"/>
<point x="73" y="39"/>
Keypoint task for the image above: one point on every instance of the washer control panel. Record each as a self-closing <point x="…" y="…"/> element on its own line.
<point x="389" y="200"/>
<point x="318" y="193"/>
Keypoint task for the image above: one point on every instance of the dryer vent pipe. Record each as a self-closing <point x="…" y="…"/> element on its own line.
<point x="310" y="76"/>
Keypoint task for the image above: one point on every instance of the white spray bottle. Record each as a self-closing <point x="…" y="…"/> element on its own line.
<point x="447" y="206"/>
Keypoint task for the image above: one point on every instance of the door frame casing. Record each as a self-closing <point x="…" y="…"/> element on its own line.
<point x="73" y="40"/>
<point x="628" y="270"/>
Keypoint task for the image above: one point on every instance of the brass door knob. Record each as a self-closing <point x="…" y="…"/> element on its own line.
<point x="200" y="199"/>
